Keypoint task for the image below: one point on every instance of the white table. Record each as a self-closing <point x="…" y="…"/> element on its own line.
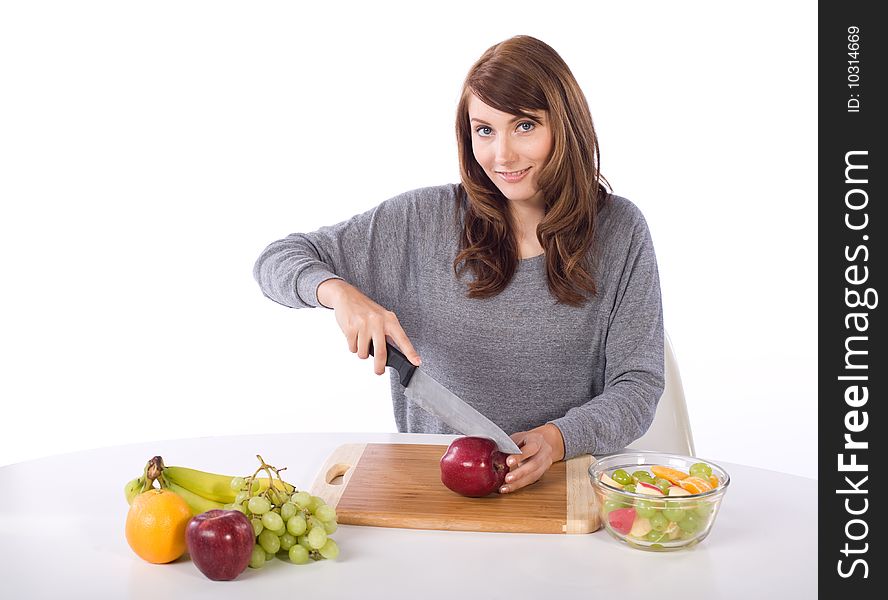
<point x="62" y="521"/>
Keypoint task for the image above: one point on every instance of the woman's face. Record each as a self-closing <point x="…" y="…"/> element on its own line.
<point x="510" y="149"/>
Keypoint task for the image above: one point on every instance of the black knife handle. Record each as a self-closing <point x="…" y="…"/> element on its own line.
<point x="395" y="358"/>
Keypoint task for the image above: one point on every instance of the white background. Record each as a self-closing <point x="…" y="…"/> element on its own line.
<point x="150" y="151"/>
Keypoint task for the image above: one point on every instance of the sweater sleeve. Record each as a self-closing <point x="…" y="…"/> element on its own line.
<point x="633" y="374"/>
<point x="379" y="252"/>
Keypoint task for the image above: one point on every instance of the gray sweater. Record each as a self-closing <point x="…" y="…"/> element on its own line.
<point x="520" y="358"/>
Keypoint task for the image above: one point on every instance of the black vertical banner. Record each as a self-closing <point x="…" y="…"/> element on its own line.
<point x="853" y="372"/>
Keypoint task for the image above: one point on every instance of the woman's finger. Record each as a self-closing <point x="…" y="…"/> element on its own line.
<point x="530" y="465"/>
<point x="529" y="472"/>
<point x="399" y="337"/>
<point x="351" y="338"/>
<point x="380" y="352"/>
<point x="364" y="338"/>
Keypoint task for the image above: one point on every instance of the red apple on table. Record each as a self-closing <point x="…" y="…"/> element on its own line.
<point x="473" y="466"/>
<point x="220" y="543"/>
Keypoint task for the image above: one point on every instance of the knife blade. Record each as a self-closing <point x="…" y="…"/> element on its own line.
<point x="424" y="391"/>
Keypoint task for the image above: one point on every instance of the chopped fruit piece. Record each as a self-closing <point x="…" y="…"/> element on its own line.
<point x="622" y="477"/>
<point x="700" y="470"/>
<point x="669" y="474"/>
<point x="678" y="491"/>
<point x="713" y="481"/>
<point x="610" y="482"/>
<point x="621" y="520"/>
<point x="642" y="487"/>
<point x="695" y="485"/>
<point x="641" y="527"/>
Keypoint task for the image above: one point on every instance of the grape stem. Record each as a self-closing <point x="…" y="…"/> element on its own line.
<point x="263" y="466"/>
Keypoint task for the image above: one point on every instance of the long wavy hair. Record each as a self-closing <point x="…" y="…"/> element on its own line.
<point x="520" y="75"/>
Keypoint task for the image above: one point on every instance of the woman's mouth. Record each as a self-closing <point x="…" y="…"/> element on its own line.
<point x="513" y="176"/>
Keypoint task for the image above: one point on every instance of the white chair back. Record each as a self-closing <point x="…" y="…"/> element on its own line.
<point x="671" y="428"/>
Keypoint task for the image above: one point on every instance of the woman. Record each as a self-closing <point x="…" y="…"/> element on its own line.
<point x="529" y="291"/>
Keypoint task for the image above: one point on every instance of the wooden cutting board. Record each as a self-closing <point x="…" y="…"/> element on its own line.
<point x="399" y="485"/>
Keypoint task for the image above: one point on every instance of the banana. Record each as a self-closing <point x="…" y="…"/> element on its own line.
<point x="215" y="487"/>
<point x="133" y="488"/>
<point x="208" y="485"/>
<point x="261" y="484"/>
<point x="197" y="504"/>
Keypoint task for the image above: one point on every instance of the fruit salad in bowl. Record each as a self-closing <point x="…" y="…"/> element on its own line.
<point x="656" y="501"/>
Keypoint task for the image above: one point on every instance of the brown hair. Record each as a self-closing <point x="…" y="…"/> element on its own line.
<point x="516" y="76"/>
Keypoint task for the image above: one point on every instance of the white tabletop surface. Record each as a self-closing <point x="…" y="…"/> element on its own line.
<point x="62" y="521"/>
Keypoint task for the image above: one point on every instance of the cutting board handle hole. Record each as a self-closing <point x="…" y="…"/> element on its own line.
<point x="335" y="474"/>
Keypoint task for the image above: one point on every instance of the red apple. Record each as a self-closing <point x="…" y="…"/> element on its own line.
<point x="472" y="466"/>
<point x="621" y="520"/>
<point x="220" y="543"/>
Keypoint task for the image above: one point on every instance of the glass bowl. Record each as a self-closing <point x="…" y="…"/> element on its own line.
<point x="656" y="522"/>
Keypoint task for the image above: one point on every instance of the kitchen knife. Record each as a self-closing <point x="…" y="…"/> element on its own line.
<point x="431" y="396"/>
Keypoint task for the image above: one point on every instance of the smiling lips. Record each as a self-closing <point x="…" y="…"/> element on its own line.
<point x="513" y="176"/>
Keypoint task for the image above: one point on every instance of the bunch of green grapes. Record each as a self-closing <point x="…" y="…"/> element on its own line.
<point x="297" y="524"/>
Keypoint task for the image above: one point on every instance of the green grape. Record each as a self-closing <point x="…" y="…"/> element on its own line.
<point x="288" y="509"/>
<point x="269" y="556"/>
<point x="690" y="524"/>
<point x="704" y="509"/>
<point x="298" y="555"/>
<point x="330" y="527"/>
<point x="674" y="511"/>
<point x="316" y="537"/>
<point x="663" y="484"/>
<point x="257" y="558"/>
<point x="316" y="502"/>
<point x="700" y="470"/>
<point x="273" y="521"/>
<point x="302" y="540"/>
<point x="241" y="497"/>
<point x="297" y="525"/>
<point x="629" y="488"/>
<point x="288" y="540"/>
<point x="659" y="522"/>
<point x="301" y="499"/>
<point x="237" y="483"/>
<point x="277" y="498"/>
<point x="257" y="525"/>
<point x="610" y="505"/>
<point x="269" y="541"/>
<point x="622" y="477"/>
<point x="654" y="536"/>
<point x="326" y="513"/>
<point x="644" y="508"/>
<point x="641" y="475"/>
<point x="313" y="522"/>
<point x="329" y="550"/>
<point x="259" y="505"/>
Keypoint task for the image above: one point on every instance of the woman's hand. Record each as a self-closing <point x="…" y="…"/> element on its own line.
<point x="540" y="447"/>
<point x="362" y="320"/>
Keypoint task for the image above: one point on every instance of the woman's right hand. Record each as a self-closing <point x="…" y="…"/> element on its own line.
<point x="363" y="321"/>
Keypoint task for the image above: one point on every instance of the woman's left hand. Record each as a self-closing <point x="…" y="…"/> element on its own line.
<point x="540" y="448"/>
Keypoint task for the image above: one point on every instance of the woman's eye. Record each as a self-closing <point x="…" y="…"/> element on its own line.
<point x="483" y="131"/>
<point x="526" y="126"/>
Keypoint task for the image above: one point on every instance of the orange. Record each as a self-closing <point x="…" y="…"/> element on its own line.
<point x="713" y="481"/>
<point x="155" y="526"/>
<point x="695" y="485"/>
<point x="671" y="475"/>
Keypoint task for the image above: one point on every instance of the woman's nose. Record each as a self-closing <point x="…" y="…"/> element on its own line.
<point x="505" y="151"/>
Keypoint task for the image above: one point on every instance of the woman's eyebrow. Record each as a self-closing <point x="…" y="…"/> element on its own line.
<point x="518" y="118"/>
